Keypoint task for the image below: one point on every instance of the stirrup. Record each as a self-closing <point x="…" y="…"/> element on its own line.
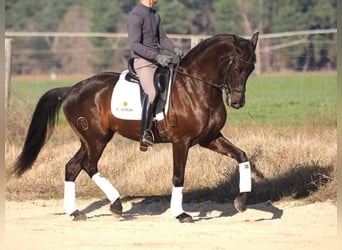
<point x="146" y="140"/>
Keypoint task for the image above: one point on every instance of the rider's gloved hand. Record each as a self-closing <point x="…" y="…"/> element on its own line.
<point x="164" y="60"/>
<point x="178" y="52"/>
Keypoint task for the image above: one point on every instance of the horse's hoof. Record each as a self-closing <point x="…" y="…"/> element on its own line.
<point x="185" y="218"/>
<point x="116" y="208"/>
<point x="240" y="202"/>
<point x="78" y="215"/>
<point x="143" y="148"/>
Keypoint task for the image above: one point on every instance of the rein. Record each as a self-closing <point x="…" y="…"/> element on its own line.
<point x="222" y="86"/>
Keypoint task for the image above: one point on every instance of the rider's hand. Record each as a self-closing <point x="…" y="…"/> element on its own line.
<point x="178" y="52"/>
<point x="164" y="60"/>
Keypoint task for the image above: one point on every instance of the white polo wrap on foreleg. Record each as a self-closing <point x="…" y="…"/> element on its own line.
<point x="69" y="197"/>
<point x="110" y="191"/>
<point x="176" y="201"/>
<point x="245" y="177"/>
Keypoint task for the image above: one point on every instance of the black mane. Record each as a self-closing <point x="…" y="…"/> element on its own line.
<point x="199" y="48"/>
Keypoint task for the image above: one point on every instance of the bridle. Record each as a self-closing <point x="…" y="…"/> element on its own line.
<point x="225" y="86"/>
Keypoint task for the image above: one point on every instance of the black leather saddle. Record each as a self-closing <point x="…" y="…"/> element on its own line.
<point x="161" y="83"/>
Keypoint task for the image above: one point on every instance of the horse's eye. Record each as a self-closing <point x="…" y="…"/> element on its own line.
<point x="238" y="69"/>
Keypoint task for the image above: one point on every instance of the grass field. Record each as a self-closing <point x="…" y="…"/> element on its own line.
<point x="280" y="100"/>
<point x="294" y="99"/>
<point x="287" y="128"/>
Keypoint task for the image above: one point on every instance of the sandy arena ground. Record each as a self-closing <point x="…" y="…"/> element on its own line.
<point x="148" y="224"/>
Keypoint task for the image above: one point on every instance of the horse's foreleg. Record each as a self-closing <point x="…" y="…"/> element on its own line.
<point x="223" y="146"/>
<point x="180" y="154"/>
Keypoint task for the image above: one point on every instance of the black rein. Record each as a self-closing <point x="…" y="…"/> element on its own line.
<point x="222" y="86"/>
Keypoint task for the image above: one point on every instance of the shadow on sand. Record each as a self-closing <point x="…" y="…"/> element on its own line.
<point x="299" y="182"/>
<point x="158" y="205"/>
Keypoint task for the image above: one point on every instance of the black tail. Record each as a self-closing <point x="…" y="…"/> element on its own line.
<point x="41" y="127"/>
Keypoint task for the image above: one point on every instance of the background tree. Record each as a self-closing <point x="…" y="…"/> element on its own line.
<point x="226" y="17"/>
<point x="241" y="17"/>
<point x="36" y="15"/>
<point x="307" y="14"/>
<point x="174" y="16"/>
<point x="201" y="16"/>
<point x="107" y="16"/>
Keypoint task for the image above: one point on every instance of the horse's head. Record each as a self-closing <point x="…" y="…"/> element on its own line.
<point x="239" y="66"/>
<point x="223" y="61"/>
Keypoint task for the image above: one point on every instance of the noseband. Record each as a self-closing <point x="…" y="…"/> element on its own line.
<point x="226" y="85"/>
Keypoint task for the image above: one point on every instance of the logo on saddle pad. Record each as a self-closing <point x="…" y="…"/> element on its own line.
<point x="126" y="100"/>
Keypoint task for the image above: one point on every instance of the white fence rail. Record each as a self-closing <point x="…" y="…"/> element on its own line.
<point x="174" y="36"/>
<point x="267" y="50"/>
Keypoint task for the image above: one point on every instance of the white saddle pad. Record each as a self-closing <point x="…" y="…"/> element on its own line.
<point x="126" y="102"/>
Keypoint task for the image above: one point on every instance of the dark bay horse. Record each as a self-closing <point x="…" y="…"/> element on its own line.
<point x="218" y="64"/>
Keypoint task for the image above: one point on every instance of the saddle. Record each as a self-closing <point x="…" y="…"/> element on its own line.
<point x="128" y="96"/>
<point x="161" y="84"/>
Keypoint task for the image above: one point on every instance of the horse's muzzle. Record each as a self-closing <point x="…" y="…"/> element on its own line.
<point x="236" y="102"/>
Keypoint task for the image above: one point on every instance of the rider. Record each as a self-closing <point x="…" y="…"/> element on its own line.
<point x="146" y="36"/>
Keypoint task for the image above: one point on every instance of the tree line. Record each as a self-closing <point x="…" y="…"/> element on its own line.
<point x="240" y="17"/>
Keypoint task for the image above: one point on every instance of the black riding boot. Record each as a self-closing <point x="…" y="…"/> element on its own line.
<point x="147" y="137"/>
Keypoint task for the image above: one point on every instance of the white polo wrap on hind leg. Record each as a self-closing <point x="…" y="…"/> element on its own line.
<point x="69" y="197"/>
<point x="110" y="191"/>
<point x="176" y="201"/>
<point x="245" y="177"/>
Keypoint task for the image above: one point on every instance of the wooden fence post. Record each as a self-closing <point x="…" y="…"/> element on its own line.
<point x="8" y="57"/>
<point x="258" y="66"/>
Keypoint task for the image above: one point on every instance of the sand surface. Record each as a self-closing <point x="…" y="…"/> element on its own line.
<point x="148" y="224"/>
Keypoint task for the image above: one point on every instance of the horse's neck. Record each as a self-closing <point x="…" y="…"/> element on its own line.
<point x="210" y="66"/>
<point x="205" y="73"/>
<point x="197" y="85"/>
<point x="206" y="70"/>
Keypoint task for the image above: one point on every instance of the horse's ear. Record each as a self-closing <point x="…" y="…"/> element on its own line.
<point x="254" y="39"/>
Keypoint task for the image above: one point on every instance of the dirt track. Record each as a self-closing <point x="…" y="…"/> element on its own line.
<point x="148" y="224"/>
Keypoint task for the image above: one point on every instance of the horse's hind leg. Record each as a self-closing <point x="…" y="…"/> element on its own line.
<point x="72" y="170"/>
<point x="95" y="149"/>
<point x="223" y="146"/>
<point x="87" y="160"/>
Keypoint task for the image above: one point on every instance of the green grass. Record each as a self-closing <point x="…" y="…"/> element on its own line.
<point x="296" y="158"/>
<point x="279" y="100"/>
<point x="282" y="100"/>
<point x="25" y="95"/>
<point x="29" y="92"/>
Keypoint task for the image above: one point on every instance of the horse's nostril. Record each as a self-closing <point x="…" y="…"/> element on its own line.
<point x="236" y="105"/>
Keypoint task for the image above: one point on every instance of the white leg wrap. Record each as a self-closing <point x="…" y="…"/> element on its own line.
<point x="110" y="191"/>
<point x="69" y="197"/>
<point x="245" y="177"/>
<point x="176" y="201"/>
